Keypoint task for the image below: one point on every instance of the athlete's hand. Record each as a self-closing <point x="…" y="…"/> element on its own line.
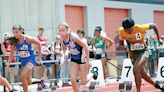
<point x="40" y="62"/>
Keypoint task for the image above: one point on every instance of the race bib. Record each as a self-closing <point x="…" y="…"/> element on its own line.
<point x="137" y="46"/>
<point x="23" y="54"/>
<point x="99" y="51"/>
<point x="147" y="53"/>
<point x="103" y="55"/>
<point x="30" y="66"/>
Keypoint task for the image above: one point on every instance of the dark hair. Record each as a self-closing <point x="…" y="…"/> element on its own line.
<point x="98" y="29"/>
<point x="23" y="31"/>
<point x="13" y="40"/>
<point x="81" y="31"/>
<point x="127" y="23"/>
<point x="17" y="27"/>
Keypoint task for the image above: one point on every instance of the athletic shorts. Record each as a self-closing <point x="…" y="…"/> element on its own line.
<point x="77" y="61"/>
<point x="99" y="56"/>
<point x="137" y="53"/>
<point x="31" y="59"/>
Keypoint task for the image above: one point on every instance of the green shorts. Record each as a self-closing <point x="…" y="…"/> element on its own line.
<point x="137" y="53"/>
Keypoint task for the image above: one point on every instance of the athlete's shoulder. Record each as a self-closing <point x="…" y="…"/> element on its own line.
<point x="121" y="30"/>
<point x="141" y="25"/>
<point x="28" y="37"/>
<point x="73" y="36"/>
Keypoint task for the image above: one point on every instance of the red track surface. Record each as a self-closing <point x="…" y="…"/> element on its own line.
<point x="146" y="87"/>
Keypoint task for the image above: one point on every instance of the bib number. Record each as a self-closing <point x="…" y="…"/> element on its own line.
<point x="136" y="46"/>
<point x="103" y="55"/>
<point x="30" y="66"/>
<point x="24" y="54"/>
<point x="99" y="51"/>
<point x="147" y="53"/>
<point x="138" y="36"/>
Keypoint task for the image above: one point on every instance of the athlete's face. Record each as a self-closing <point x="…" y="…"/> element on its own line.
<point x="97" y="34"/>
<point x="17" y="33"/>
<point x="129" y="30"/>
<point x="63" y="31"/>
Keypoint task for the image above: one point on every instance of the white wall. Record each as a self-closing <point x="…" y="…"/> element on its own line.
<point x="32" y="13"/>
<point x="28" y="13"/>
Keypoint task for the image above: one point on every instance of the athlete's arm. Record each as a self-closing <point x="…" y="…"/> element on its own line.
<point x="93" y="46"/>
<point x="121" y="45"/>
<point x="108" y="41"/>
<point x="154" y="27"/>
<point x="32" y="40"/>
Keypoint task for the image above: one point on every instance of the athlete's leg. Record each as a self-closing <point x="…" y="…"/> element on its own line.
<point x="103" y="60"/>
<point x="74" y="70"/>
<point x="29" y="79"/>
<point x="5" y="83"/>
<point x="143" y="72"/>
<point x="24" y="75"/>
<point x="137" y="74"/>
<point x="83" y="74"/>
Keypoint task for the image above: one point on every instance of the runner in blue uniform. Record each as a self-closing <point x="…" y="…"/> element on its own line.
<point x="23" y="46"/>
<point x="75" y="45"/>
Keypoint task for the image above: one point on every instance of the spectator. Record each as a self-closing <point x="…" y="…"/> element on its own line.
<point x="120" y="54"/>
<point x="43" y="41"/>
<point x="152" y="46"/>
<point x="6" y="51"/>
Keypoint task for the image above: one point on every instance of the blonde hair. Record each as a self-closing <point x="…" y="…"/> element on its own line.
<point x="41" y="28"/>
<point x="64" y="24"/>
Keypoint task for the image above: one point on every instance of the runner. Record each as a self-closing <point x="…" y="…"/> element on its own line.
<point x="22" y="44"/>
<point x="75" y="46"/>
<point x="99" y="45"/>
<point x="134" y="35"/>
<point x="58" y="51"/>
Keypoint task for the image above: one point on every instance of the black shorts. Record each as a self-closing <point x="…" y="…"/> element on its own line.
<point x="12" y="65"/>
<point x="77" y="61"/>
<point x="99" y="56"/>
